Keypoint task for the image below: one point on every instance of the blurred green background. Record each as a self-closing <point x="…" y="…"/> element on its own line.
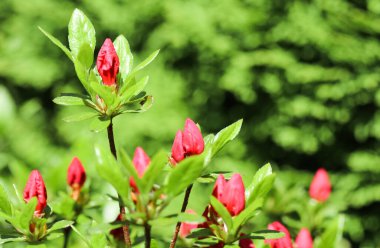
<point x="304" y="75"/>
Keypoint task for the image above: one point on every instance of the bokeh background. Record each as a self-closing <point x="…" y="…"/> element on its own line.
<point x="304" y="75"/>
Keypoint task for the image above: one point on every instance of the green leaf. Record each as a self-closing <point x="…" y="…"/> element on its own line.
<point x="138" y="107"/>
<point x="261" y="184"/>
<point x="222" y="138"/>
<point x="81" y="236"/>
<point x="60" y="225"/>
<point x="18" y="239"/>
<point x="105" y="92"/>
<point x="154" y="170"/>
<point x="57" y="43"/>
<point x="5" y="205"/>
<point x="83" y="76"/>
<point x="264" y="234"/>
<point x="69" y="100"/>
<point x="130" y="168"/>
<point x="246" y="214"/>
<point x="199" y="233"/>
<point x="99" y="124"/>
<point x="80" y="116"/>
<point x="27" y="213"/>
<point x="135" y="89"/>
<point x="332" y="236"/>
<point x="147" y="61"/>
<point x="108" y="168"/>
<point x="98" y="241"/>
<point x="125" y="56"/>
<point x="81" y="31"/>
<point x="184" y="174"/>
<point x="191" y="218"/>
<point x="86" y="55"/>
<point x="223" y="212"/>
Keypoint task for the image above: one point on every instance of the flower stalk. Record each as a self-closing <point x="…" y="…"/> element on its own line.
<point x="111" y="141"/>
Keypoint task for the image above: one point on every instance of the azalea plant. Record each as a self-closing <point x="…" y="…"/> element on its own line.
<point x="146" y="185"/>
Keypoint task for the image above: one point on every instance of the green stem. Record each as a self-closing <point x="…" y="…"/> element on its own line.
<point x="183" y="209"/>
<point x="111" y="141"/>
<point x="66" y="240"/>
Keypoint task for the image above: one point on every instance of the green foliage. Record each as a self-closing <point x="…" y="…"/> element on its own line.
<point x="303" y="75"/>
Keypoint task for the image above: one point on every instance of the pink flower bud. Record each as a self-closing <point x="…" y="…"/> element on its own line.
<point x="76" y="175"/>
<point x="320" y="187"/>
<point x="35" y="187"/>
<point x="231" y="193"/>
<point x="141" y="162"/>
<point x="186" y="227"/>
<point x="187" y="143"/>
<point x="246" y="243"/>
<point x="108" y="63"/>
<point x="285" y="242"/>
<point x="304" y="239"/>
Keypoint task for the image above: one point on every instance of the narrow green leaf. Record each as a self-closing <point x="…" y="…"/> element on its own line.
<point x="199" y="233"/>
<point x="83" y="76"/>
<point x="69" y="100"/>
<point x="105" y="92"/>
<point x="80" y="116"/>
<point x="147" y="61"/>
<point x="261" y="184"/>
<point x="108" y="168"/>
<point x="5" y="205"/>
<point x="81" y="236"/>
<point x="125" y="56"/>
<point x="138" y="107"/>
<point x="60" y="225"/>
<point x="57" y="43"/>
<point x="81" y="31"/>
<point x="18" y="239"/>
<point x="27" y="213"/>
<point x="99" y="124"/>
<point x="223" y="212"/>
<point x="246" y="214"/>
<point x="98" y="241"/>
<point x="222" y="138"/>
<point x="159" y="161"/>
<point x="134" y="89"/>
<point x="184" y="174"/>
<point x="264" y="234"/>
<point x="332" y="236"/>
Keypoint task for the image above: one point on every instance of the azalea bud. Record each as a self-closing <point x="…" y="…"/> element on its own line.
<point x="108" y="63"/>
<point x="284" y="242"/>
<point x="76" y="175"/>
<point x="187" y="143"/>
<point x="304" y="239"/>
<point x="141" y="162"/>
<point x="246" y="243"/>
<point x="186" y="227"/>
<point x="118" y="233"/>
<point x="320" y="187"/>
<point x="35" y="187"/>
<point x="231" y="193"/>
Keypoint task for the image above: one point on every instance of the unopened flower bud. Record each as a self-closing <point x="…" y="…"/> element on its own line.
<point x="141" y="162"/>
<point x="284" y="242"/>
<point x="304" y="239"/>
<point x="320" y="187"/>
<point x="35" y="187"/>
<point x="108" y="63"/>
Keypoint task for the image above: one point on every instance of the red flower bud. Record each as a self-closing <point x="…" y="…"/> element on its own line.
<point x="285" y="242"/>
<point x="187" y="143"/>
<point x="35" y="187"/>
<point x="141" y="162"/>
<point x="304" y="239"/>
<point x="231" y="193"/>
<point x="76" y="175"/>
<point x="108" y="63"/>
<point x="246" y="243"/>
<point x="186" y="227"/>
<point x="320" y="187"/>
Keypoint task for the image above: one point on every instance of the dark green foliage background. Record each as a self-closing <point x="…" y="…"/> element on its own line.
<point x="304" y="75"/>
